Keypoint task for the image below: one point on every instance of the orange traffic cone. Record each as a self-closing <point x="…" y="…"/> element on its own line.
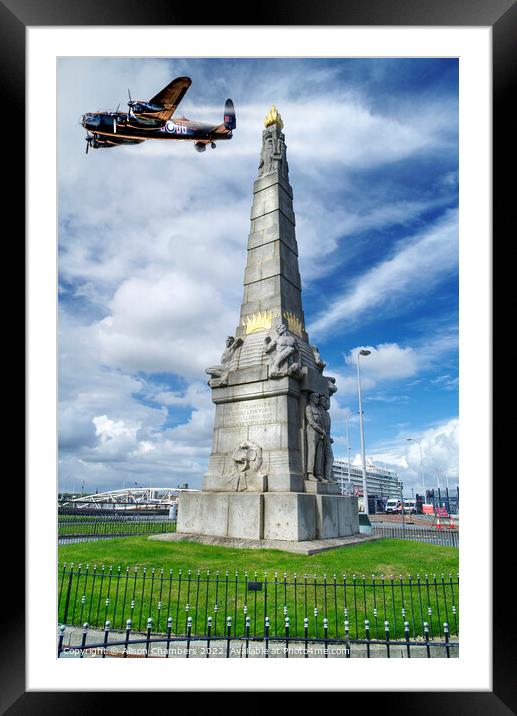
<point x="438" y="525"/>
<point x="451" y="523"/>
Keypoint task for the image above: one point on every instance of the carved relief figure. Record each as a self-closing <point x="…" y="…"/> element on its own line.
<point x="328" y="455"/>
<point x="286" y="354"/>
<point x="266" y="155"/>
<point x="315" y="433"/>
<point x="219" y="373"/>
<point x="246" y="475"/>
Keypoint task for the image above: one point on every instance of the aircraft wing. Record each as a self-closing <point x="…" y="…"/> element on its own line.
<point x="170" y="97"/>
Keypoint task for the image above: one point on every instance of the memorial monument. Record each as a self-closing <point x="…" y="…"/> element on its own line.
<point x="269" y="474"/>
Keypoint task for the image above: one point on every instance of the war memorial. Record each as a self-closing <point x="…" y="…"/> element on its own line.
<point x="269" y="478"/>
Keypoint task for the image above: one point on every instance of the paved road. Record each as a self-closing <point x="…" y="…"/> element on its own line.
<point x="218" y="648"/>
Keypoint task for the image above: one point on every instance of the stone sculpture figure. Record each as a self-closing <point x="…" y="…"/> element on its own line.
<point x="315" y="434"/>
<point x="328" y="455"/>
<point x="331" y="384"/>
<point x="286" y="359"/>
<point x="272" y="156"/>
<point x="320" y="363"/>
<point x="219" y="373"/>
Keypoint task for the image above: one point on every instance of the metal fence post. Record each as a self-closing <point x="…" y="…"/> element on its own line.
<point x="387" y="637"/>
<point x="208" y="634"/>
<point x="83" y="640"/>
<point x="148" y="638"/>
<point x="248" y="622"/>
<point x="446" y="636"/>
<point x="228" y="634"/>
<point x="426" y="637"/>
<point x="68" y="590"/>
<point x="106" y="635"/>
<point x="169" y="630"/>
<point x="61" y="637"/>
<point x="406" y="636"/>
<point x="129" y="624"/>
<point x="189" y="632"/>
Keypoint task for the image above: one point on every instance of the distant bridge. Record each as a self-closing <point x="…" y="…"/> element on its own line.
<point x="129" y="498"/>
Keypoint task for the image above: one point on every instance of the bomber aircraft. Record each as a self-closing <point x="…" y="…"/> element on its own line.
<point x="153" y="120"/>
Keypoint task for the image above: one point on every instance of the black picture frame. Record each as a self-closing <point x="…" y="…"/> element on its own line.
<point x="501" y="16"/>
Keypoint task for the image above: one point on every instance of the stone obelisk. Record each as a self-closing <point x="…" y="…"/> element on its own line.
<point x="269" y="475"/>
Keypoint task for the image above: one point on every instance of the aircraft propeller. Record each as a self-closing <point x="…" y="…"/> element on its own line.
<point x="131" y="103"/>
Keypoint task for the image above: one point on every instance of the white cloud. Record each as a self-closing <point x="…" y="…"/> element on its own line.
<point x="387" y="361"/>
<point x="391" y="363"/>
<point x="169" y="324"/>
<point x="440" y="456"/>
<point x="417" y="265"/>
<point x="113" y="425"/>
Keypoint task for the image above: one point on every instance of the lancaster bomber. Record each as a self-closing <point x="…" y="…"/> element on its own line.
<point x="153" y="120"/>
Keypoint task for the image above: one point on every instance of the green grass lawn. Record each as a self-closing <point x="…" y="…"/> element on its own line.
<point x="138" y="578"/>
<point x="387" y="556"/>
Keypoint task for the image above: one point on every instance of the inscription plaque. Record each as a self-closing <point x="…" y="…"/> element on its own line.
<point x="249" y="412"/>
<point x="254" y="586"/>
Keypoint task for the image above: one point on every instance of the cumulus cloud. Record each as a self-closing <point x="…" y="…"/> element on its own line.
<point x="386" y="361"/>
<point x="169" y="324"/>
<point x="113" y="425"/>
<point x="392" y="363"/>
<point x="440" y="457"/>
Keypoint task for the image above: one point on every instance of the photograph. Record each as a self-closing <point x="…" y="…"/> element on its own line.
<point x="258" y="357"/>
<point x="259" y="354"/>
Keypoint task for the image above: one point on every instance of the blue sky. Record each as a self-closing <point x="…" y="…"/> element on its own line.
<point x="152" y="249"/>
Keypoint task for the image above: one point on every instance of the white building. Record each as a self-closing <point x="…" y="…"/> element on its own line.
<point x="380" y="482"/>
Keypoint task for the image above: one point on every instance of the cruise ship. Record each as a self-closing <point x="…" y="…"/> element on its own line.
<point x="380" y="482"/>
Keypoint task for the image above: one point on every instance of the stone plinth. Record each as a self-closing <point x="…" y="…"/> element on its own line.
<point x="282" y="516"/>
<point x="223" y="514"/>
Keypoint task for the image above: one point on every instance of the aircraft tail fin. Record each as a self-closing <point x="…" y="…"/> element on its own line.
<point x="229" y="120"/>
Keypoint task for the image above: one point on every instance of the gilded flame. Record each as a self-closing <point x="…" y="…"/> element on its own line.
<point x="273" y="117"/>
<point x="293" y="323"/>
<point x="260" y="321"/>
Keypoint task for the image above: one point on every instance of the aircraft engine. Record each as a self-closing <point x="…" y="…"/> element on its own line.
<point x="200" y="147"/>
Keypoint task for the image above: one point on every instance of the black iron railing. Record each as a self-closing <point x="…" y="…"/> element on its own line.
<point x="84" y="527"/>
<point x="228" y="644"/>
<point x="444" y="536"/>
<point x="96" y="594"/>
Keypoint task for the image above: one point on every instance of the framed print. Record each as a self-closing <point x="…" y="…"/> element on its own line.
<point x="137" y="403"/>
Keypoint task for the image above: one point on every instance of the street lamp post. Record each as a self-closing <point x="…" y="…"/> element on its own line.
<point x="362" y="352"/>
<point x="347" y="420"/>
<point x="402" y="505"/>
<point x="421" y="461"/>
